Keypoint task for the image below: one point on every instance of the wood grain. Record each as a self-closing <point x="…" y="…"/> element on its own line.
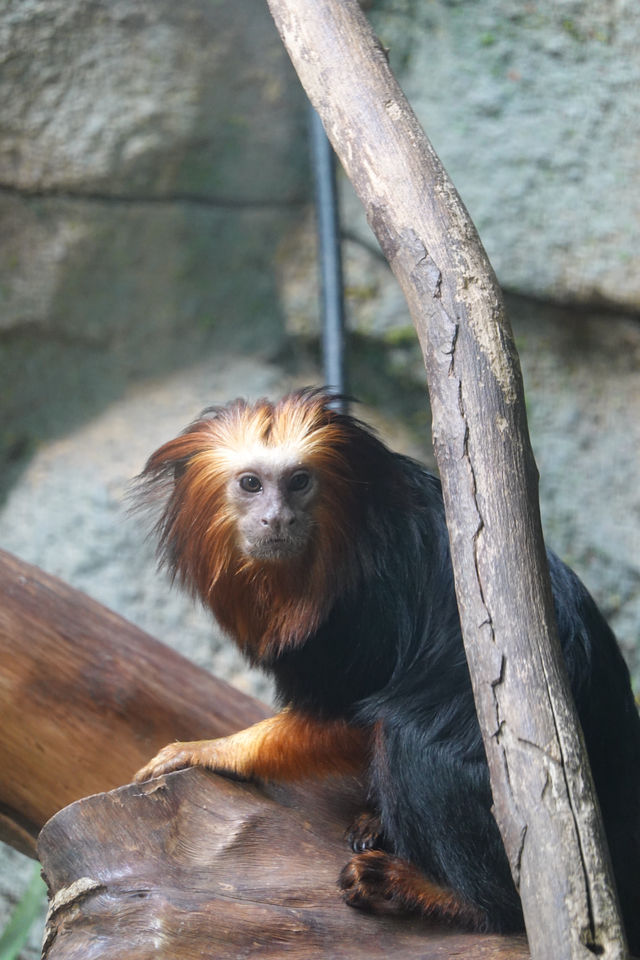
<point x="195" y="866"/>
<point x="86" y="698"/>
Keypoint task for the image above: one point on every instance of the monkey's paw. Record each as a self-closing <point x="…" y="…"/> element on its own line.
<point x="370" y="881"/>
<point x="365" y="833"/>
<point x="213" y="754"/>
<point x="175" y="756"/>
<point x="381" y="883"/>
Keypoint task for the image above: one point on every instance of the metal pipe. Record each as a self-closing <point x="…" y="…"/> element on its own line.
<point x="329" y="257"/>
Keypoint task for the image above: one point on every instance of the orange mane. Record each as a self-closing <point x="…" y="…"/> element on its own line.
<point x="266" y="606"/>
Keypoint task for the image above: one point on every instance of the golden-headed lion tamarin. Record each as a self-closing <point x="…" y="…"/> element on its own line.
<point x="325" y="555"/>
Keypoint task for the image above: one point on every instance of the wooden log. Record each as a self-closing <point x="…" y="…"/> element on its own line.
<point x="86" y="698"/>
<point x="192" y="865"/>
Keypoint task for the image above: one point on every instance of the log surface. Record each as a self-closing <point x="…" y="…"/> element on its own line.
<point x="192" y="865"/>
<point x="86" y="698"/>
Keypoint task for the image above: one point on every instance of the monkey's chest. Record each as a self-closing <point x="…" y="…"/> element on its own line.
<point x="335" y="668"/>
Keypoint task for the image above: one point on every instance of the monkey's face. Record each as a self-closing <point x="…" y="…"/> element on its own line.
<point x="273" y="502"/>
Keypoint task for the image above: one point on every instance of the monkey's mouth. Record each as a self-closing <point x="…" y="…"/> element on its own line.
<point x="277" y="548"/>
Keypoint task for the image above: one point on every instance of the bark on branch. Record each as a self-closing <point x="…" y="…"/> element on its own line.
<point x="544" y="797"/>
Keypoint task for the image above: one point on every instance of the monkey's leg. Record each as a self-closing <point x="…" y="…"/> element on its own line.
<point x="288" y="746"/>
<point x="382" y="883"/>
<point x="436" y="811"/>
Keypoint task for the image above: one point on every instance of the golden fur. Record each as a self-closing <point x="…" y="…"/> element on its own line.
<point x="289" y="599"/>
<point x="288" y="746"/>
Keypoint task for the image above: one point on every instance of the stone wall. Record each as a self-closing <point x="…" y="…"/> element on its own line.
<point x="533" y="108"/>
<point x="151" y="156"/>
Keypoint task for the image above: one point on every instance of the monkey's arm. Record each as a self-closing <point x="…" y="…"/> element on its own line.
<point x="287" y="746"/>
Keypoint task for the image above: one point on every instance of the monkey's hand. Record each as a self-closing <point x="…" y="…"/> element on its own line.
<point x="216" y="755"/>
<point x="288" y="746"/>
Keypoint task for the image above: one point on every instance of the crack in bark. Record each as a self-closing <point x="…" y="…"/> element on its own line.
<point x="518" y="834"/>
<point x="503" y="664"/>
<point x="426" y="273"/>
<point x="516" y="851"/>
<point x="452" y="352"/>
<point x="588" y="935"/>
<point x="546" y="785"/>
<point x="541" y="750"/>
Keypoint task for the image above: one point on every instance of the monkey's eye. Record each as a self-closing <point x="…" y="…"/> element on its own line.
<point x="299" y="480"/>
<point x="250" y="483"/>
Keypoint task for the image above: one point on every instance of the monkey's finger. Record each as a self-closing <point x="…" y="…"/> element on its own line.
<point x="176" y="756"/>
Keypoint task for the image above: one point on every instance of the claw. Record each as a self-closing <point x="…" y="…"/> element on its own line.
<point x="365" y="833"/>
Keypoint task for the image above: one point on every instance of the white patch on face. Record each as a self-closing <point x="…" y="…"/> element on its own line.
<point x="260" y="457"/>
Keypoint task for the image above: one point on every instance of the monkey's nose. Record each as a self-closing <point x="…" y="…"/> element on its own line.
<point x="279" y="521"/>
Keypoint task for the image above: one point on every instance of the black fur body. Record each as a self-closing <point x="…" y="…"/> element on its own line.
<point x="391" y="654"/>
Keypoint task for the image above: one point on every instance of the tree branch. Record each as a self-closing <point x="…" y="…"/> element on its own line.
<point x="544" y="797"/>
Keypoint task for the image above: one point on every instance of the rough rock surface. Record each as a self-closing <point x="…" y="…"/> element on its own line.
<point x="533" y="108"/>
<point x="135" y="99"/>
<point x="150" y="161"/>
